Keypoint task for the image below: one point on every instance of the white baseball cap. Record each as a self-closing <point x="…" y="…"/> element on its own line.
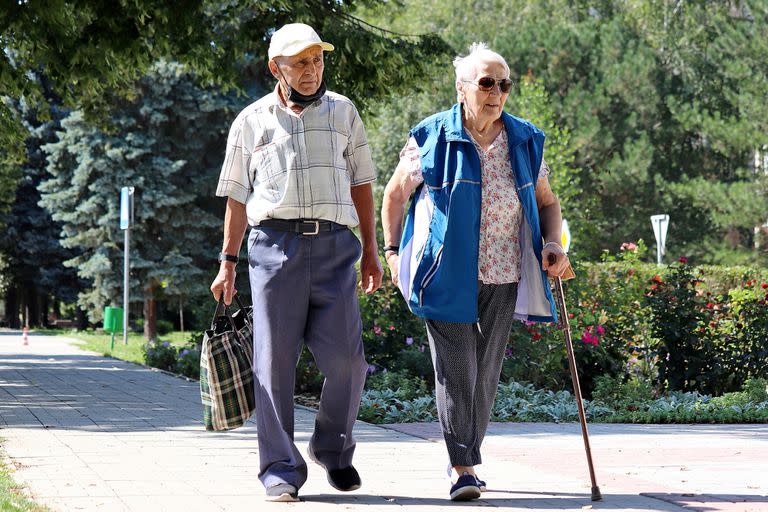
<point x="294" y="38"/>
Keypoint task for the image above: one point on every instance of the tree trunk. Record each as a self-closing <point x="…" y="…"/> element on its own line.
<point x="181" y="314"/>
<point x="33" y="308"/>
<point x="24" y="300"/>
<point x="12" y="308"/>
<point x="82" y="319"/>
<point x="43" y="304"/>
<point x="150" y="312"/>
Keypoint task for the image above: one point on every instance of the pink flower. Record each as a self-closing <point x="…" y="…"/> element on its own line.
<point x="600" y="330"/>
<point x="377" y="330"/>
<point x="682" y="259"/>
<point x="764" y="286"/>
<point x="391" y="327"/>
<point x="588" y="338"/>
<point x="628" y="246"/>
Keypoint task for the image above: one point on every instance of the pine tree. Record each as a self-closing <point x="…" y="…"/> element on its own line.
<point x="34" y="276"/>
<point x="168" y="145"/>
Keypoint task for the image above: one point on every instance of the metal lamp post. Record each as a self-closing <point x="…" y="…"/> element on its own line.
<point x="126" y="222"/>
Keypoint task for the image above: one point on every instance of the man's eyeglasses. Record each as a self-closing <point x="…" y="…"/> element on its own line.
<point x="487" y="83"/>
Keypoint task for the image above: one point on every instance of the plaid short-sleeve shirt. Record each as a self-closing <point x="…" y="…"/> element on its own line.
<point x="287" y="166"/>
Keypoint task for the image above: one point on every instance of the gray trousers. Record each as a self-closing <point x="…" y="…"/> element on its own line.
<point x="304" y="291"/>
<point x="467" y="359"/>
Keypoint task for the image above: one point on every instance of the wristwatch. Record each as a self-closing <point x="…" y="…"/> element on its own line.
<point x="228" y="257"/>
<point x="393" y="248"/>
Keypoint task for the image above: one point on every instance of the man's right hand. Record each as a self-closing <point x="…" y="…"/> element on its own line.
<point x="224" y="282"/>
<point x="393" y="261"/>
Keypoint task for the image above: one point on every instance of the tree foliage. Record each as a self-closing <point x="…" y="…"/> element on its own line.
<point x="90" y="49"/>
<point x="663" y="102"/>
<point x="166" y="143"/>
<point x="30" y="246"/>
<point x="93" y="55"/>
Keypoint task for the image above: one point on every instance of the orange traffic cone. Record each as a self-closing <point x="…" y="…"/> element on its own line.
<point x="26" y="335"/>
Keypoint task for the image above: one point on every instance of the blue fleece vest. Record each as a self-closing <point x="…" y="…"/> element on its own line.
<point x="439" y="246"/>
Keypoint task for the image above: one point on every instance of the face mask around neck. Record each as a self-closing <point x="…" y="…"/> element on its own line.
<point x="303" y="100"/>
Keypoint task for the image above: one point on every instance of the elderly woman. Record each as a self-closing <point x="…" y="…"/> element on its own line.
<point x="481" y="235"/>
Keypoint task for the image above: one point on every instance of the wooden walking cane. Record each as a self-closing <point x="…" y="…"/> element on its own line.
<point x="566" y="327"/>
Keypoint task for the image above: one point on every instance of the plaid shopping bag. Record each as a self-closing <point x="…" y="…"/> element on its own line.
<point x="226" y="369"/>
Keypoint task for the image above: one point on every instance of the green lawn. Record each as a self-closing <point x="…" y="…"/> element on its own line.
<point x="11" y="497"/>
<point x="100" y="342"/>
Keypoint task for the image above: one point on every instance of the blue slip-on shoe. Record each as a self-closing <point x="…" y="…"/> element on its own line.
<point x="465" y="488"/>
<point x="481" y="484"/>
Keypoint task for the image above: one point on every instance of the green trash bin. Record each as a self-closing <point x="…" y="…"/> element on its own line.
<point x="113" y="320"/>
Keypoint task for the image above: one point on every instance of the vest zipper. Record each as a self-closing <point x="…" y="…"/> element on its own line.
<point x="430" y="273"/>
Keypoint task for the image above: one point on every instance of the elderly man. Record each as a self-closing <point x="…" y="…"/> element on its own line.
<point x="298" y="170"/>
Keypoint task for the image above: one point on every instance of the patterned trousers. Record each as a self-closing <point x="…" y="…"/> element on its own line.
<point x="467" y="359"/>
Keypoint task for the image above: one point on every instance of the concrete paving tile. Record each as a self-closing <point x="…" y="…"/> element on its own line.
<point x="122" y="437"/>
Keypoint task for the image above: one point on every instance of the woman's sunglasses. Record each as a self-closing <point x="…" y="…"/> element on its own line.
<point x="487" y="83"/>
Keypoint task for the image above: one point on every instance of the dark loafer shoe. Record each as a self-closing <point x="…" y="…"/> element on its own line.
<point x="282" y="492"/>
<point x="343" y="479"/>
<point x="465" y="488"/>
<point x="481" y="484"/>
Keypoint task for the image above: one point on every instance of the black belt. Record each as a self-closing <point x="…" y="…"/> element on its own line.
<point x="301" y="226"/>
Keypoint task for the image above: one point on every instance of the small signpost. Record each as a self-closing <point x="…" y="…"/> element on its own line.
<point x="660" y="224"/>
<point x="126" y="222"/>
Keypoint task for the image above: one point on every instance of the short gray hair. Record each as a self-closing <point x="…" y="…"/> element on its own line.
<point x="466" y="67"/>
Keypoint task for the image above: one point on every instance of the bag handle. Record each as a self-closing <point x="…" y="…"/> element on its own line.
<point x="221" y="306"/>
<point x="242" y="308"/>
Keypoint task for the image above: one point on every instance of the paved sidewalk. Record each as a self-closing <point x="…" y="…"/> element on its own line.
<point x="86" y="432"/>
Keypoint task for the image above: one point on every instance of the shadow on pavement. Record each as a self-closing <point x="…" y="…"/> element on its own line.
<point x="700" y="500"/>
<point x="532" y="500"/>
<point x="431" y="432"/>
<point x="101" y="394"/>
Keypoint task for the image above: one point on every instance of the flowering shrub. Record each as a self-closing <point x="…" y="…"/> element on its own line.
<point x="617" y="333"/>
<point x="160" y="354"/>
<point x="737" y="324"/>
<point x="709" y="341"/>
<point x="394" y="338"/>
<point x="641" y="326"/>
<point x="188" y="360"/>
<point x="607" y="323"/>
<point x="686" y="355"/>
